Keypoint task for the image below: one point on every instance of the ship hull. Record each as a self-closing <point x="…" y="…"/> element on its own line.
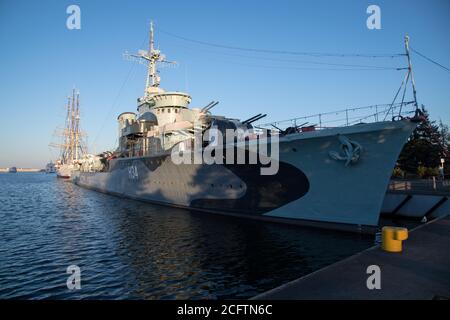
<point x="310" y="186"/>
<point x="64" y="171"/>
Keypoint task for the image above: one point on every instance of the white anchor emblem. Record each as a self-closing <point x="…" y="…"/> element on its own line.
<point x="351" y="151"/>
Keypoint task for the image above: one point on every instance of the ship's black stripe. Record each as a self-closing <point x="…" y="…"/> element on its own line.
<point x="264" y="192"/>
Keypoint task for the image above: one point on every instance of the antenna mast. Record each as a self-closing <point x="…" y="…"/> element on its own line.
<point x="410" y="71"/>
<point x="152" y="72"/>
<point x="152" y="57"/>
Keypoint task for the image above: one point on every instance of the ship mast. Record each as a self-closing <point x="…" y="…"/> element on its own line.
<point x="76" y="131"/>
<point x="152" y="72"/>
<point x="72" y="128"/>
<point x="410" y="72"/>
<point x="152" y="57"/>
<point x="66" y="133"/>
<point x="72" y="147"/>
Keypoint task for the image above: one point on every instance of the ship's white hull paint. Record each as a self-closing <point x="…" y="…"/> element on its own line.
<point x="64" y="171"/>
<point x="310" y="185"/>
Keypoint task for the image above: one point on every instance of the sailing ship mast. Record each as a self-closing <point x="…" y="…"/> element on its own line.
<point x="72" y="147"/>
<point x="66" y="134"/>
<point x="76" y="130"/>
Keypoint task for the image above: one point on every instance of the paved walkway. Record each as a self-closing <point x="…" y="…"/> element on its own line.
<point x="421" y="271"/>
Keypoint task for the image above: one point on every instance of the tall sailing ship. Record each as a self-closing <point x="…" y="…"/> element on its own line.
<point x="327" y="176"/>
<point x="72" y="147"/>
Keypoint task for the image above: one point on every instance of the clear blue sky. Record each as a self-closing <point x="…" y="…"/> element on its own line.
<point x="41" y="60"/>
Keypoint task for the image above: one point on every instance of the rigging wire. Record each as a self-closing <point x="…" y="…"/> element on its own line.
<point x="312" y="68"/>
<point x="404" y="93"/>
<point x="297" y="61"/>
<point x="314" y="54"/>
<point x="113" y="105"/>
<point x="431" y="60"/>
<point x="396" y="95"/>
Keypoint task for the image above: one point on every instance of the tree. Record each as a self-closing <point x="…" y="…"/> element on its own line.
<point x="445" y="136"/>
<point x="426" y="146"/>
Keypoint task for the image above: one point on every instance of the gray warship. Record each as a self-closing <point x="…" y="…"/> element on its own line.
<point x="333" y="177"/>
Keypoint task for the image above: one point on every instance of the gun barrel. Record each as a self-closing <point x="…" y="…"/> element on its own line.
<point x="211" y="106"/>
<point x="251" y="118"/>
<point x="256" y="118"/>
<point x="204" y="108"/>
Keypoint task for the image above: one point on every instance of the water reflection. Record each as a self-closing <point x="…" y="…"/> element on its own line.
<point x="134" y="250"/>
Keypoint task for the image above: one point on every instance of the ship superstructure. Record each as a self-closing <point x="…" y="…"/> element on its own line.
<point x="12" y="170"/>
<point x="325" y="175"/>
<point x="163" y="118"/>
<point x="50" y="167"/>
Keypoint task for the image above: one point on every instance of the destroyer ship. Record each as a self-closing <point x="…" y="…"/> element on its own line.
<point x="325" y="176"/>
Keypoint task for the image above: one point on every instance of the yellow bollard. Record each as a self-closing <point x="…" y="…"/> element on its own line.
<point x="392" y="237"/>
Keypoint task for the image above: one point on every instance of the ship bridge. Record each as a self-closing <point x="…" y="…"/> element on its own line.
<point x="163" y="118"/>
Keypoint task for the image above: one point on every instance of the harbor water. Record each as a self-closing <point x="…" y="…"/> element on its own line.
<point x="127" y="249"/>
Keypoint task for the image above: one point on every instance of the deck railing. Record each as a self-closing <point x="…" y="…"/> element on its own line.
<point x="431" y="185"/>
<point x="345" y="117"/>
